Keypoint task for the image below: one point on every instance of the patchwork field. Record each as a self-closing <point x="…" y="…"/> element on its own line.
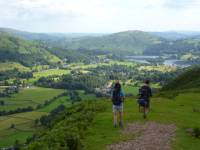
<point x="17" y="127"/>
<point x="50" y="72"/>
<point x="29" y="97"/>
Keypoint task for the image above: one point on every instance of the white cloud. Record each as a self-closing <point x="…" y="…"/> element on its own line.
<point x="99" y="15"/>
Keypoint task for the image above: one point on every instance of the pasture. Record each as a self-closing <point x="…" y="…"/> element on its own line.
<point x="29" y="97"/>
<point x="23" y="127"/>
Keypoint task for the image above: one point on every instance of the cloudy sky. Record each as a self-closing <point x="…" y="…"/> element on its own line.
<point x="100" y="15"/>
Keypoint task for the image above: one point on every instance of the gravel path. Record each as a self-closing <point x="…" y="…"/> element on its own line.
<point x="149" y="136"/>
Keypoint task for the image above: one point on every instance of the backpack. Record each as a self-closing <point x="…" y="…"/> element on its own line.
<point x="116" y="98"/>
<point x="144" y="92"/>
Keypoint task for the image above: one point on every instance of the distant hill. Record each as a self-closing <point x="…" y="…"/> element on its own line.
<point x="130" y="42"/>
<point x="176" y="35"/>
<point x="171" y="35"/>
<point x="123" y="43"/>
<point x="28" y="35"/>
<point x="25" y="52"/>
<point x="187" y="80"/>
<point x="45" y="36"/>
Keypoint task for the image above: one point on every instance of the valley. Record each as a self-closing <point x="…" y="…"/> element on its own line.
<point x="55" y="90"/>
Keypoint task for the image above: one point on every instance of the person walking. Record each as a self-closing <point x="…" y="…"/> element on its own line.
<point x="117" y="100"/>
<point x="145" y="93"/>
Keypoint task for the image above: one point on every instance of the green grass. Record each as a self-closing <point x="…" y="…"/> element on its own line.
<point x="178" y="111"/>
<point x="86" y="96"/>
<point x="60" y="101"/>
<point x="29" y="97"/>
<point x="85" y="67"/>
<point x="23" y="122"/>
<point x="12" y="65"/>
<point x="128" y="89"/>
<point x="50" y="72"/>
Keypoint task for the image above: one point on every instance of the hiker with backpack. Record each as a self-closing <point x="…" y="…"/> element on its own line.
<point x="144" y="97"/>
<point x="117" y="100"/>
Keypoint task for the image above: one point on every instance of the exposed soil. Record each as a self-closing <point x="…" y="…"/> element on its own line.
<point x="149" y="136"/>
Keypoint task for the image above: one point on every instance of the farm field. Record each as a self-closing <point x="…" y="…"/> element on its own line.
<point x="60" y="101"/>
<point x="50" y="72"/>
<point x="23" y="127"/>
<point x="29" y="97"/>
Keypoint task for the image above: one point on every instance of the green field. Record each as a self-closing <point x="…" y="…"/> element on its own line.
<point x="60" y="101"/>
<point x="13" y="65"/>
<point x="50" y="72"/>
<point x="29" y="97"/>
<point x="131" y="90"/>
<point x="178" y="111"/>
<point x="24" y="127"/>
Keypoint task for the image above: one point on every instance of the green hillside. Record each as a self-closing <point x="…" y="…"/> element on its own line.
<point x="88" y="125"/>
<point x="27" y="35"/>
<point x="25" y="52"/>
<point x="189" y="79"/>
<point x="133" y="42"/>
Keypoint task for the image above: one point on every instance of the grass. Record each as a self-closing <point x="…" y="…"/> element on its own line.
<point x="161" y="68"/>
<point x="178" y="111"/>
<point x="50" y="72"/>
<point x="29" y="97"/>
<point x="24" y="123"/>
<point x="128" y="89"/>
<point x="60" y="101"/>
<point x="12" y="65"/>
<point x="85" y="67"/>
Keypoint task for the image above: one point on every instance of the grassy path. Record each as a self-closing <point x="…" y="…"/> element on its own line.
<point x="177" y="111"/>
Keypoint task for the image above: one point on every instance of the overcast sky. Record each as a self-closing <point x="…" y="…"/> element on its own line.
<point x="100" y="15"/>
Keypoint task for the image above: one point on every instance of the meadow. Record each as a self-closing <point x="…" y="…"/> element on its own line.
<point x="178" y="111"/>
<point x="13" y="65"/>
<point x="23" y="127"/>
<point x="29" y="97"/>
<point x="50" y="72"/>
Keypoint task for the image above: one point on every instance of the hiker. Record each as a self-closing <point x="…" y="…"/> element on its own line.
<point x="117" y="100"/>
<point x="144" y="97"/>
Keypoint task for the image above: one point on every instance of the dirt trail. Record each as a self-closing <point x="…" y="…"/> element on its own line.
<point x="149" y="136"/>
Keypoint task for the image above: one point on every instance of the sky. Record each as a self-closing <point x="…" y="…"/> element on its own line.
<point x="100" y="16"/>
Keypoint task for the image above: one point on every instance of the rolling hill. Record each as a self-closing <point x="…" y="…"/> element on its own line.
<point x="28" y="35"/>
<point x="130" y="42"/>
<point x="25" y="52"/>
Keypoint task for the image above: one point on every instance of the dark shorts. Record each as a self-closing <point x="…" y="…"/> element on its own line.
<point x="144" y="102"/>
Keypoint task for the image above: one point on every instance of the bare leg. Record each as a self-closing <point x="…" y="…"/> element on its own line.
<point x="121" y="119"/>
<point x="115" y="119"/>
<point x="145" y="112"/>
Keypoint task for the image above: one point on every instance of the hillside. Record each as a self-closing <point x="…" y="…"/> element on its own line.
<point x="25" y="52"/>
<point x="133" y="42"/>
<point x="28" y="35"/>
<point x="187" y="80"/>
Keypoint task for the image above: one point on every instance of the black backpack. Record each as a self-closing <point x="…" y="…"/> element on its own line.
<point x="144" y="92"/>
<point x="116" y="98"/>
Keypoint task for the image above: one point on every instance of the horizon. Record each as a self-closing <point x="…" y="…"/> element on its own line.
<point x="162" y="31"/>
<point x="100" y="16"/>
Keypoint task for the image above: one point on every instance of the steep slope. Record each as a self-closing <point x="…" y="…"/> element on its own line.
<point x="133" y="42"/>
<point x="189" y="79"/>
<point x="25" y="52"/>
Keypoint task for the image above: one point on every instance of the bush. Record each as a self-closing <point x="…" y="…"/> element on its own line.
<point x="66" y="128"/>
